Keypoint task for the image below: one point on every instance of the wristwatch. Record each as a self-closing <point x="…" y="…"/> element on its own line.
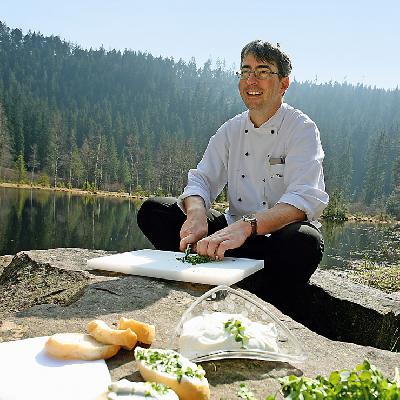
<point x="252" y="220"/>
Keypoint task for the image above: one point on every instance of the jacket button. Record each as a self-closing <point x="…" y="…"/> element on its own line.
<point x="239" y="199"/>
<point x="246" y="131"/>
<point x="243" y="176"/>
<point x="272" y="131"/>
<point x="264" y="203"/>
<point x="247" y="153"/>
<point x="264" y="180"/>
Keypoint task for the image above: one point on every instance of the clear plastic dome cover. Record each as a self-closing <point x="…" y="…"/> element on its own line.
<point x="225" y="323"/>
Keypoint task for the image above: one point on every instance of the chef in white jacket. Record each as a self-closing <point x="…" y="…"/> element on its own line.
<point x="270" y="157"/>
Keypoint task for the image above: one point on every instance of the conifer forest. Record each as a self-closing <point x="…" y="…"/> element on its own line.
<point x="126" y="120"/>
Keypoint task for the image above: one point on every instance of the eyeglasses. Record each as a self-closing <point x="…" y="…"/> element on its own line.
<point x="259" y="73"/>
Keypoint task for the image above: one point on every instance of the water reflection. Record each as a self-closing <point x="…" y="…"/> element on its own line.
<point x="351" y="242"/>
<point x="41" y="219"/>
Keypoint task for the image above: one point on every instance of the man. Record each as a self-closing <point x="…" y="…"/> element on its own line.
<point x="270" y="157"/>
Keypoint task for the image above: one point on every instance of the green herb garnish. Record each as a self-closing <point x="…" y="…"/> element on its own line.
<point x="236" y="329"/>
<point x="364" y="382"/>
<point x="156" y="387"/>
<point x="126" y="388"/>
<point x="169" y="362"/>
<point x="245" y="393"/>
<point x="193" y="258"/>
<point x="196" y="259"/>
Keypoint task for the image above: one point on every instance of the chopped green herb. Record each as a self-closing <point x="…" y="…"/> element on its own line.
<point x="194" y="259"/>
<point x="236" y="329"/>
<point x="159" y="387"/>
<point x="169" y="362"/>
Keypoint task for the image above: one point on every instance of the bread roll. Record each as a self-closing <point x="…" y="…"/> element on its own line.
<point x="104" y="334"/>
<point x="78" y="346"/>
<point x="185" y="378"/>
<point x="145" y="332"/>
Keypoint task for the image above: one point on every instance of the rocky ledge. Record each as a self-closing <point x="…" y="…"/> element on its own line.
<point x="50" y="291"/>
<point x="340" y="309"/>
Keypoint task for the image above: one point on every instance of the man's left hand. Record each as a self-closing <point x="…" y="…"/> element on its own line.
<point x="231" y="237"/>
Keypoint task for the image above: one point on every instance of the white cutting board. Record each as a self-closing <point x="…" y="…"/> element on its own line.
<point x="28" y="373"/>
<point x="164" y="264"/>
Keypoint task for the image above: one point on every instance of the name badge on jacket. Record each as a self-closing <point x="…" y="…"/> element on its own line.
<point x="277" y="160"/>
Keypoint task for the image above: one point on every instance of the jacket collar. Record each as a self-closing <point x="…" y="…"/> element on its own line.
<point x="272" y="125"/>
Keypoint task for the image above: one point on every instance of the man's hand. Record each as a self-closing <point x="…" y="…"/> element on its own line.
<point x="196" y="226"/>
<point x="231" y="237"/>
<point x="193" y="229"/>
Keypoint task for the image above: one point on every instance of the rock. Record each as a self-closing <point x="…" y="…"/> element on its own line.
<point x="4" y="261"/>
<point x="109" y="296"/>
<point x="338" y="308"/>
<point x="25" y="282"/>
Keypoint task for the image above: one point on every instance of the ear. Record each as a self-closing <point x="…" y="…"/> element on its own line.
<point x="285" y="82"/>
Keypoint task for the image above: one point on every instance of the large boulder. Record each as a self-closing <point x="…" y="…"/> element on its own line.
<point x="80" y="295"/>
<point x="341" y="309"/>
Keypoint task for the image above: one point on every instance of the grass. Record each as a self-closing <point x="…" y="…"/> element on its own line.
<point x="385" y="278"/>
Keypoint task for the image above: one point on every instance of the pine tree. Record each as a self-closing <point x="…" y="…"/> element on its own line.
<point x="21" y="169"/>
<point x="5" y="142"/>
<point x="55" y="145"/>
<point x="393" y="203"/>
<point x="133" y="155"/>
<point x="77" y="169"/>
<point x="376" y="162"/>
<point x="86" y="157"/>
<point x="103" y="97"/>
<point x="125" y="176"/>
<point x="112" y="163"/>
<point x="99" y="158"/>
<point x="33" y="161"/>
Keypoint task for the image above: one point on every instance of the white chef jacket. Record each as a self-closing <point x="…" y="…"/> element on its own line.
<point x="279" y="162"/>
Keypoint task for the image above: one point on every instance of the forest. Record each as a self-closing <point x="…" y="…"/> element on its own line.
<point x="129" y="121"/>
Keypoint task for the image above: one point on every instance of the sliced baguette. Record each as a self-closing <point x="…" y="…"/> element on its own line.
<point x="78" y="346"/>
<point x="145" y="332"/>
<point x="104" y="334"/>
<point x="187" y="380"/>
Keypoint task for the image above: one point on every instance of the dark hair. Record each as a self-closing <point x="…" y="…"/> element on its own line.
<point x="265" y="51"/>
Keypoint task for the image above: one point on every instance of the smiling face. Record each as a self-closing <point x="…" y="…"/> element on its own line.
<point x="262" y="97"/>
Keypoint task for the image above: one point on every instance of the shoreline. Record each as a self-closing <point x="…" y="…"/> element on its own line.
<point x="75" y="191"/>
<point x="126" y="195"/>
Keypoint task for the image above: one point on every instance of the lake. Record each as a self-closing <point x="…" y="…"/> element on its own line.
<point x="43" y="219"/>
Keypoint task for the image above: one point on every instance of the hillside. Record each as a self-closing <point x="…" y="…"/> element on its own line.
<point x="129" y="119"/>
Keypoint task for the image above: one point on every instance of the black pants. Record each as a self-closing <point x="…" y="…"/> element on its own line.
<point x="290" y="255"/>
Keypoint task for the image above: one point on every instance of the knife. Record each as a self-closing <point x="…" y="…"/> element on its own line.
<point x="188" y="251"/>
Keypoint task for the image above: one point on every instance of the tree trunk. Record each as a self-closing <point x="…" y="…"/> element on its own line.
<point x="55" y="172"/>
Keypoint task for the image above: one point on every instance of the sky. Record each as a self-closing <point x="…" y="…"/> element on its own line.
<point x="354" y="41"/>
